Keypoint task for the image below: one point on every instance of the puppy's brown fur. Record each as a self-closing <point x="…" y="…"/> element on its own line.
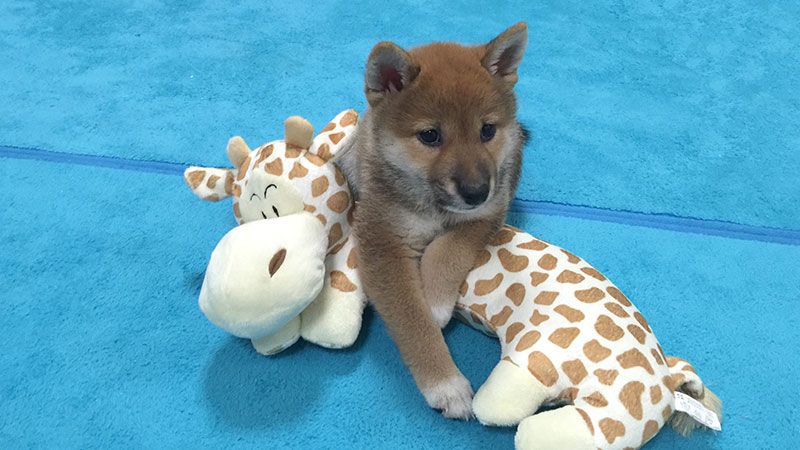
<point x="424" y="213"/>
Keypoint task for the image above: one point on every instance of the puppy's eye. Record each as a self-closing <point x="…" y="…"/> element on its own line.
<point x="487" y="132"/>
<point x="430" y="137"/>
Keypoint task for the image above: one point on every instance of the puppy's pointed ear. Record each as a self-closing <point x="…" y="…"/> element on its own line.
<point x="504" y="53"/>
<point x="389" y="69"/>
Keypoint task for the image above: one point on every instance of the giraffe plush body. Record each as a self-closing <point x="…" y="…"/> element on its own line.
<point x="306" y="198"/>
<point x="569" y="338"/>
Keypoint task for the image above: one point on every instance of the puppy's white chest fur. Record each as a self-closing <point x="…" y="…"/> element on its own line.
<point x="418" y="231"/>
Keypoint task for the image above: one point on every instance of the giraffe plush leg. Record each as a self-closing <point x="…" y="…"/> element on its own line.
<point x="333" y="320"/>
<point x="509" y="395"/>
<point x="562" y="428"/>
<point x="280" y="340"/>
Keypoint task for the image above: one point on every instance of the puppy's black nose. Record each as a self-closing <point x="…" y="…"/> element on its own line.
<point x="473" y="194"/>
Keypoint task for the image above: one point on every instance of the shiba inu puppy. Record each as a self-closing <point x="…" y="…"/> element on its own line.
<point x="434" y="163"/>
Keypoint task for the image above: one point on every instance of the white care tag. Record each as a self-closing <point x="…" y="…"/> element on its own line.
<point x="700" y="413"/>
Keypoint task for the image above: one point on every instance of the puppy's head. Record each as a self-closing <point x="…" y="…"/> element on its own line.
<point x="444" y="116"/>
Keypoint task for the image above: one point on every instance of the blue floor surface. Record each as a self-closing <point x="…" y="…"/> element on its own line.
<point x="665" y="150"/>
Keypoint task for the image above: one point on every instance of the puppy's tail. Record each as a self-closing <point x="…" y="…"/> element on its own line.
<point x="209" y="183"/>
<point x="685" y="380"/>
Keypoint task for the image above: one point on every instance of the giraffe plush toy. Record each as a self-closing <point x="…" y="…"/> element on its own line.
<point x="267" y="280"/>
<point x="569" y="338"/>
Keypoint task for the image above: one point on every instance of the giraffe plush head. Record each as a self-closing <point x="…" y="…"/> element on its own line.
<point x="285" y="177"/>
<point x="257" y="284"/>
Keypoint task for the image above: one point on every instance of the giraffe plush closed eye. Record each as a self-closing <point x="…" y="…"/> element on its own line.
<point x="279" y="179"/>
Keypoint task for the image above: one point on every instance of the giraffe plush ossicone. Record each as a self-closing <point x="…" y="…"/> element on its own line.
<point x="570" y="338"/>
<point x="257" y="285"/>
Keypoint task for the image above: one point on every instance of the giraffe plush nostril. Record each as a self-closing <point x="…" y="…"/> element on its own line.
<point x="276" y="261"/>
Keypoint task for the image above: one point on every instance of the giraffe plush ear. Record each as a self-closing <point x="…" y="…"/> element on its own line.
<point x="504" y="53"/>
<point x="237" y="151"/>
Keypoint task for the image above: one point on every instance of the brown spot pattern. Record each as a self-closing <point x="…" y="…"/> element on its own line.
<point x="338" y="202"/>
<point x="502" y="237"/>
<point x="322" y="219"/>
<point x="608" y="329"/>
<point x="236" y="212"/>
<point x="596" y="399"/>
<point x="293" y="151"/>
<point x="324" y="152"/>
<point x="212" y="181"/>
<point x="666" y="413"/>
<point x="589" y="295"/>
<point x="349" y="118"/>
<point x="340" y="281"/>
<point x="569" y="393"/>
<point x="334" y="234"/>
<point x="637" y="333"/>
<point x="570" y="257"/>
<point x="548" y="262"/>
<point x="537" y="318"/>
<point x="571" y="314"/>
<point x="236" y="190"/>
<point x="516" y="293"/>
<point x="657" y="357"/>
<point x="483" y="287"/>
<point x="538" y="278"/>
<point x="595" y="351"/>
<point x="314" y="159"/>
<point x="563" y="337"/>
<point x="309" y="208"/>
<point x="634" y="358"/>
<point x="640" y="318"/>
<point x="298" y="171"/>
<point x="631" y="397"/>
<point x="545" y="298"/>
<point x="319" y="186"/>
<point x="655" y="394"/>
<point x="462" y="291"/>
<point x="612" y="429"/>
<point x="615" y="309"/>
<point x="329" y="127"/>
<point x="527" y="340"/>
<point x="618" y="296"/>
<point x="513" y="330"/>
<point x="336" y="137"/>
<point x="593" y="273"/>
<point x="500" y="319"/>
<point x="533" y="245"/>
<point x="338" y="176"/>
<point x="229" y="182"/>
<point x="542" y="368"/>
<point x="606" y="377"/>
<point x="512" y="262"/>
<point x="586" y="419"/>
<point x="575" y="370"/>
<point x="650" y="430"/>
<point x="570" y="277"/>
<point x="274" y="167"/>
<point x="351" y="259"/>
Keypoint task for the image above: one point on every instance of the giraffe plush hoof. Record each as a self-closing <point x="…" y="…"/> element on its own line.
<point x="509" y="395"/>
<point x="280" y="340"/>
<point x="334" y="319"/>
<point x="558" y="429"/>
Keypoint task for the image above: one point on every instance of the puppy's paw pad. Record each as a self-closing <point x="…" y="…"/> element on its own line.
<point x="452" y="397"/>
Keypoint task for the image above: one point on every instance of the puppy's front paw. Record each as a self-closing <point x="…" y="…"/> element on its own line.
<point x="452" y="397"/>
